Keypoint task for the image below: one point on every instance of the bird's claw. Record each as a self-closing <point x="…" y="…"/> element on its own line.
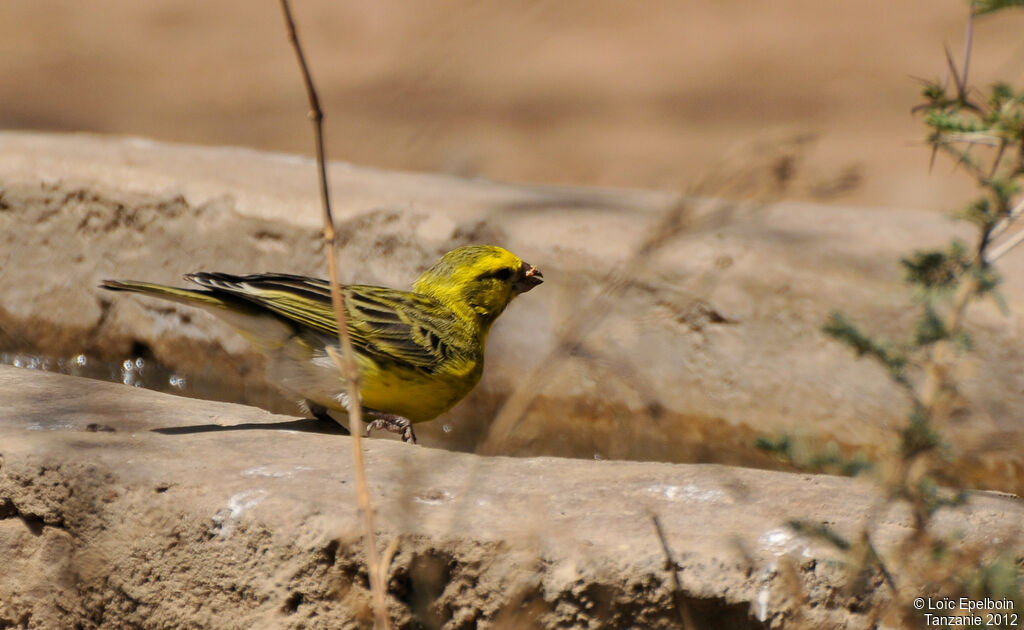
<point x="394" y="424"/>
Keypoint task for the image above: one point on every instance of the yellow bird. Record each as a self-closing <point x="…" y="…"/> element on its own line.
<point x="419" y="352"/>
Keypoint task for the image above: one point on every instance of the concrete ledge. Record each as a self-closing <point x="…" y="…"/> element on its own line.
<point x="120" y="506"/>
<point x="659" y="378"/>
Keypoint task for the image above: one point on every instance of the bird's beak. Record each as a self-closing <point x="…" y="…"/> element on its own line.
<point x="529" y="277"/>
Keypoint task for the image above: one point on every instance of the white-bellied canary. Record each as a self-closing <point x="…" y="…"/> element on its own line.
<point x="419" y="352"/>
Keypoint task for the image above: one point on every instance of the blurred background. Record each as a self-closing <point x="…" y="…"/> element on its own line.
<point x="589" y="92"/>
<point x="658" y="95"/>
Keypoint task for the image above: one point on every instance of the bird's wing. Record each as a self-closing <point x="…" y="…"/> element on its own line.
<point x="386" y="325"/>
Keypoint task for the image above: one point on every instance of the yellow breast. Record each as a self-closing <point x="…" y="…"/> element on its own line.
<point x="416" y="395"/>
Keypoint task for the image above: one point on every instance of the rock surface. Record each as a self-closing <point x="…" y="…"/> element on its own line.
<point x="121" y="507"/>
<point x="712" y="341"/>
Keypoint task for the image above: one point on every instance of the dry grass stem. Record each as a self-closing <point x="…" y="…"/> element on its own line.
<point x="676" y="220"/>
<point x="685" y="618"/>
<point x="1004" y="224"/>
<point x="346" y="362"/>
<point x="1005" y="247"/>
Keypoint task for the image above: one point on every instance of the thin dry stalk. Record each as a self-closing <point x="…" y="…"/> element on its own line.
<point x="762" y="181"/>
<point x="1005" y="248"/>
<point x="676" y="220"/>
<point x="346" y="362"/>
<point x="685" y="617"/>
<point x="1003" y="225"/>
<point x="937" y="366"/>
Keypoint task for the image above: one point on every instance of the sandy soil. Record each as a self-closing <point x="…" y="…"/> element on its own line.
<point x="587" y="92"/>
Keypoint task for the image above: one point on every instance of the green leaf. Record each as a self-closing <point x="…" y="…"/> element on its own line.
<point x="930" y="328"/>
<point x="987" y="277"/>
<point x="918" y="436"/>
<point x="950" y="122"/>
<point x="981" y="7"/>
<point x="842" y="329"/>
<point x="781" y="446"/>
<point x="979" y="213"/>
<point x="936" y="269"/>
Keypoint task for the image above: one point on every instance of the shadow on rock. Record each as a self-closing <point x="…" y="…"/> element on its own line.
<point x="306" y="425"/>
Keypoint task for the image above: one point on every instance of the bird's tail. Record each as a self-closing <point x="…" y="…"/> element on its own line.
<point x="192" y="297"/>
<point x="256" y="324"/>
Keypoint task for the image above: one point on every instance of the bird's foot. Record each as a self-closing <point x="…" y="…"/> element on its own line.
<point x="393" y="423"/>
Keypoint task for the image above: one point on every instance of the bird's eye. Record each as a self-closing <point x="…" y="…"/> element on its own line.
<point x="502" y="274"/>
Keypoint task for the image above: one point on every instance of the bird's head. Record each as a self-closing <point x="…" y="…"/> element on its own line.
<point x="478" y="281"/>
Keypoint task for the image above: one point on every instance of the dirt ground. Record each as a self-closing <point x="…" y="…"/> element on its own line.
<point x="587" y="92"/>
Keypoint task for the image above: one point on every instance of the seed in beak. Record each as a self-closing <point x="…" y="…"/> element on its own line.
<point x="531" y="278"/>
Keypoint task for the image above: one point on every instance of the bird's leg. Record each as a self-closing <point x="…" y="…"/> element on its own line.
<point x="320" y="413"/>
<point x="391" y="422"/>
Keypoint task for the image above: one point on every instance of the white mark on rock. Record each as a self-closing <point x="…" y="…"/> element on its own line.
<point x="763" y="597"/>
<point x="436" y="497"/>
<point x="291" y="159"/>
<point x="137" y="141"/>
<point x="224" y="519"/>
<point x="38" y="426"/>
<point x="778" y="541"/>
<point x="689" y="492"/>
<point x="278" y="473"/>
